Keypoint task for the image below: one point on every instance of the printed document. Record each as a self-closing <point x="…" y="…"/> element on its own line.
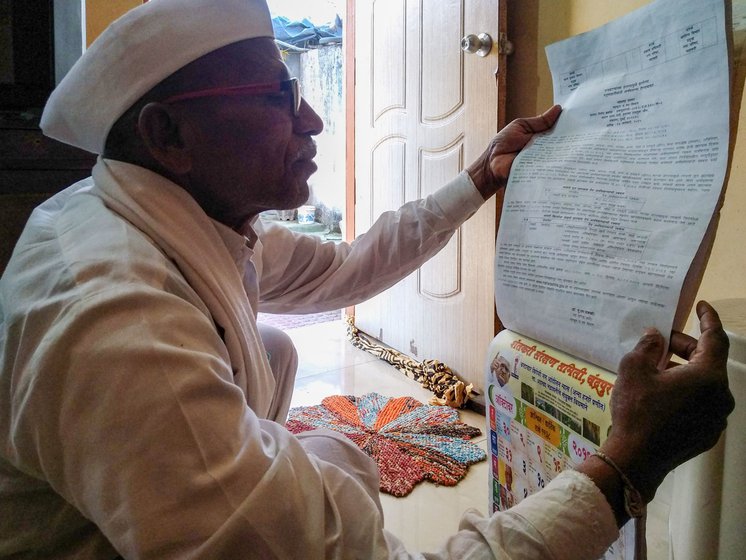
<point x="604" y="215"/>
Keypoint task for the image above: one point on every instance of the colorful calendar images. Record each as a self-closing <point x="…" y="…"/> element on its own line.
<point x="546" y="418"/>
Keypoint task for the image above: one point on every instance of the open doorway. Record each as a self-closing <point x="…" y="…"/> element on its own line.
<point x="309" y="35"/>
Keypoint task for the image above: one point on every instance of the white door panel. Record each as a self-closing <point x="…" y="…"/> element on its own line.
<point x="424" y="110"/>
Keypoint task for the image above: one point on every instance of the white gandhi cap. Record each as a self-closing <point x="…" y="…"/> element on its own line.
<point x="138" y="51"/>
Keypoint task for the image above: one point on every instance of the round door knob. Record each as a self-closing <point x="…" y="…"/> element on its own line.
<point x="480" y="44"/>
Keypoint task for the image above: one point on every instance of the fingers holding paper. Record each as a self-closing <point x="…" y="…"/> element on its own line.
<point x="713" y="342"/>
<point x="661" y="419"/>
<point x="490" y="171"/>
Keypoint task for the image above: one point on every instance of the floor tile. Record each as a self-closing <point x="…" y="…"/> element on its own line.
<point x="324" y="347"/>
<point x="424" y="518"/>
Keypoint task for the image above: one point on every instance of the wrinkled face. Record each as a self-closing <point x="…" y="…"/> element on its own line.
<point x="249" y="153"/>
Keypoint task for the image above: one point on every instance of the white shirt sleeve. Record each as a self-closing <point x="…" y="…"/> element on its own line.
<point x="568" y="520"/>
<point x="301" y="274"/>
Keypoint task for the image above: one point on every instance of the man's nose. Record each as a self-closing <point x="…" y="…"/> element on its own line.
<point x="308" y="121"/>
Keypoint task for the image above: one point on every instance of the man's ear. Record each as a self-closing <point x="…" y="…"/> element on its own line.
<point x="165" y="135"/>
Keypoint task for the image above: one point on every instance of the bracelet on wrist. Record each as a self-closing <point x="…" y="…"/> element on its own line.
<point x="634" y="504"/>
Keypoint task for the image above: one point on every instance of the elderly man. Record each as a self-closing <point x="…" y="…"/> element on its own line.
<point x="140" y="416"/>
<point x="500" y="369"/>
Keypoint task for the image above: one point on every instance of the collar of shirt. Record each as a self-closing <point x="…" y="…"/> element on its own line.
<point x="241" y="249"/>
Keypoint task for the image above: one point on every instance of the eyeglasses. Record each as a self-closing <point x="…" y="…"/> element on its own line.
<point x="292" y="85"/>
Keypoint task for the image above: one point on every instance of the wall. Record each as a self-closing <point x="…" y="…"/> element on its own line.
<point x="533" y="24"/>
<point x="100" y="13"/>
<point x="322" y="77"/>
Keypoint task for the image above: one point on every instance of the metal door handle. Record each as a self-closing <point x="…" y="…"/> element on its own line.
<point x="480" y="44"/>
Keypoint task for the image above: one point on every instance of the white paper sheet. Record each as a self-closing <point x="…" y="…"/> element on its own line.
<point x="604" y="214"/>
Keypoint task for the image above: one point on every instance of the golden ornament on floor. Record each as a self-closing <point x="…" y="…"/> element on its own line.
<point x="433" y="375"/>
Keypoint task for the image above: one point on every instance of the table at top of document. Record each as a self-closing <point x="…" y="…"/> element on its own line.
<point x="685" y="41"/>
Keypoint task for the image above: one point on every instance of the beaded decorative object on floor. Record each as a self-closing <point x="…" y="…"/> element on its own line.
<point x="433" y="375"/>
<point x="409" y="441"/>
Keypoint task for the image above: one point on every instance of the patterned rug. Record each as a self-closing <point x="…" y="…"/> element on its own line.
<point x="409" y="440"/>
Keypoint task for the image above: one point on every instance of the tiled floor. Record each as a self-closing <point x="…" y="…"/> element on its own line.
<point x="288" y="321"/>
<point x="330" y="365"/>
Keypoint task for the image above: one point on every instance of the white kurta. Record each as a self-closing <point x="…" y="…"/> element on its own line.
<point x="133" y="389"/>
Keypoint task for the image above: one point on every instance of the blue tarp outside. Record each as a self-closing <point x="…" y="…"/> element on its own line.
<point x="305" y="33"/>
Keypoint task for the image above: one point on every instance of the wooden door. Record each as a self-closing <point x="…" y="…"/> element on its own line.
<point x="424" y="109"/>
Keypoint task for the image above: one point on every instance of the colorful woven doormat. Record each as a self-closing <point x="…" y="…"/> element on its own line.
<point x="409" y="440"/>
